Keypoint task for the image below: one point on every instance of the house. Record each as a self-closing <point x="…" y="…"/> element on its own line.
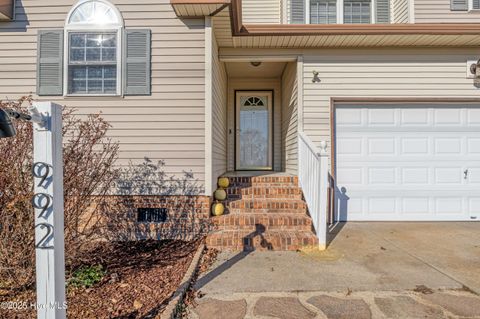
<point x="382" y="95"/>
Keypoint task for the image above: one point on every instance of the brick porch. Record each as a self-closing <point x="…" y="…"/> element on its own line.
<point x="264" y="212"/>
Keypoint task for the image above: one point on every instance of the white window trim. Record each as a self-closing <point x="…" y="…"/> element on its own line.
<point x="117" y="28"/>
<point x="340" y="6"/>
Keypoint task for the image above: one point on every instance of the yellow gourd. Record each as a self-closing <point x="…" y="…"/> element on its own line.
<point x="223" y="182"/>
<point x="218" y="209"/>
<point x="220" y="194"/>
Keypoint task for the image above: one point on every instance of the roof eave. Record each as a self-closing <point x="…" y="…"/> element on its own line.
<point x="239" y="29"/>
<point x="6" y="10"/>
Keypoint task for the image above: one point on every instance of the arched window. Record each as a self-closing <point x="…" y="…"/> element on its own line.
<point x="93" y="49"/>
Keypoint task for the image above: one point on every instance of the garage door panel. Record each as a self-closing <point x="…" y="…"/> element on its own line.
<point x="474" y="206"/>
<point x="445" y="145"/>
<point x="408" y="163"/>
<point x="382" y="176"/>
<point x="473" y="146"/>
<point x="415" y="175"/>
<point x="381" y="146"/>
<point x="414" y="145"/>
<point x="473" y="117"/>
<point x="443" y="116"/>
<point x="416" y="205"/>
<point x="414" y="117"/>
<point x="381" y="117"/>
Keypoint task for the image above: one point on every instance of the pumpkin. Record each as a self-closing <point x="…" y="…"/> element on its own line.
<point x="220" y="194"/>
<point x="223" y="182"/>
<point x="218" y="209"/>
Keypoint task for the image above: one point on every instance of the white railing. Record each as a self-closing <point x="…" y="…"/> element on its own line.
<point x="313" y="178"/>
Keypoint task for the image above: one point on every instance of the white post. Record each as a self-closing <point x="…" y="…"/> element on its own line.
<point x="48" y="204"/>
<point x="322" y="216"/>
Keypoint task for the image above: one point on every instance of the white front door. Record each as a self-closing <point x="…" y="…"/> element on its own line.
<point x="408" y="163"/>
<point x="254" y="130"/>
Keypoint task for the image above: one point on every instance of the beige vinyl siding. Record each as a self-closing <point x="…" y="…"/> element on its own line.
<point x="438" y="11"/>
<point x="290" y="118"/>
<point x="388" y="73"/>
<point x="261" y="11"/>
<point x="219" y="114"/>
<point x="258" y="85"/>
<point x="168" y="125"/>
<point x="400" y="11"/>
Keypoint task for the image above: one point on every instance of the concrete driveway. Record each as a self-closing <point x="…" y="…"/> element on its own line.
<point x="371" y="265"/>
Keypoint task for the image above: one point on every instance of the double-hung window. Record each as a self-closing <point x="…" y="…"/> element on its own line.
<point x="339" y="11"/>
<point x="92" y="56"/>
<point x="357" y="11"/>
<point x="323" y="11"/>
<point x="92" y="63"/>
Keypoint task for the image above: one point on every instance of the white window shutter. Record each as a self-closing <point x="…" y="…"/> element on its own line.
<point x="297" y="11"/>
<point x="50" y="62"/>
<point x="459" y="5"/>
<point x="382" y="11"/>
<point x="137" y="62"/>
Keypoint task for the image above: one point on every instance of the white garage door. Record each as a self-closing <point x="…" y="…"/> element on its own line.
<point x="408" y="162"/>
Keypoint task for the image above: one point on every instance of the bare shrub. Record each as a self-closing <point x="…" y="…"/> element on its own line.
<point x="147" y="185"/>
<point x="88" y="170"/>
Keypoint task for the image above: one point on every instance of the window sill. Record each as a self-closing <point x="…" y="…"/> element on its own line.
<point x="93" y="95"/>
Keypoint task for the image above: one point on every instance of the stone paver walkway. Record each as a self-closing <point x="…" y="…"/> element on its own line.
<point x="355" y="305"/>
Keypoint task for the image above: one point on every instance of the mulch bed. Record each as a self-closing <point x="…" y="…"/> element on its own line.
<point x="140" y="280"/>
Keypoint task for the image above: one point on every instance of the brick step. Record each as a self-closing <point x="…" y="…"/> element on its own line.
<point x="263" y="185"/>
<point x="269" y="221"/>
<point x="264" y="180"/>
<point x="270" y="204"/>
<point x="279" y="240"/>
<point x="283" y="190"/>
<point x="247" y="211"/>
<point x="283" y="198"/>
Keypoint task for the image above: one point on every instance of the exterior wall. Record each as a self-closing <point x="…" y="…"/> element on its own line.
<point x="399" y="10"/>
<point x="290" y="118"/>
<point x="438" y="11"/>
<point x="193" y="222"/>
<point x="261" y="11"/>
<point x="256" y="84"/>
<point x="168" y="125"/>
<point x="386" y="73"/>
<point x="219" y="115"/>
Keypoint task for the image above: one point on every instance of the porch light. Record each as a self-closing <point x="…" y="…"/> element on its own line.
<point x="6" y="126"/>
<point x="256" y="63"/>
<point x="315" y="78"/>
<point x="475" y="69"/>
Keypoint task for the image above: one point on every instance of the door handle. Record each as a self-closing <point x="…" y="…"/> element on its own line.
<point x="465" y="174"/>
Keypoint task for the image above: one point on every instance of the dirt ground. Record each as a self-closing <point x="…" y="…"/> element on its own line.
<point x="139" y="281"/>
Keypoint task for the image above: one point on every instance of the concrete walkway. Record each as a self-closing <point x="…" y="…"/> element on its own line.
<point x="371" y="270"/>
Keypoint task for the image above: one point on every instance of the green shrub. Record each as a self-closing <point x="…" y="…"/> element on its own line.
<point x="87" y="276"/>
